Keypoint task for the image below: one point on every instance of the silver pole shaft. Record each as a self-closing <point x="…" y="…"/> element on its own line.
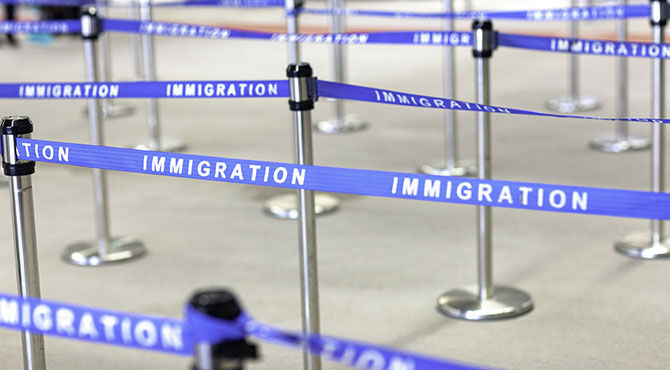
<point x="153" y="118"/>
<point x="292" y="28"/>
<point x="104" y="53"/>
<point x="622" y="81"/>
<point x="25" y="243"/>
<point x="658" y="132"/>
<point x="450" y="134"/>
<point x="135" y="46"/>
<point x="484" y="171"/>
<point x="337" y="26"/>
<point x="97" y="138"/>
<point x="309" y="284"/>
<point x="574" y="60"/>
<point x="203" y="356"/>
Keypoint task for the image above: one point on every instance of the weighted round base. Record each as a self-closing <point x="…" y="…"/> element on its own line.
<point x="572" y="105"/>
<point x="166" y="145"/>
<point x="612" y="145"/>
<point x="639" y="245"/>
<point x="442" y="170"/>
<point x="464" y="304"/>
<point x="88" y="254"/>
<point x="350" y="123"/>
<point x="286" y="206"/>
<point x="114" y="110"/>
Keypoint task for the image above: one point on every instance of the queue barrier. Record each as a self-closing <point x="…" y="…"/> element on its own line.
<point x="556" y="14"/>
<point x="182" y="336"/>
<point x="419" y="37"/>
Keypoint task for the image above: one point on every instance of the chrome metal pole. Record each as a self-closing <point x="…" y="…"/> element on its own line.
<point x="23" y="222"/>
<point x="104" y="249"/>
<point x="486" y="301"/>
<point x="155" y="140"/>
<point x="135" y="45"/>
<point x="110" y="107"/>
<point x="291" y="7"/>
<point x="574" y="101"/>
<point x="301" y="103"/>
<point x="484" y="225"/>
<point x="340" y="123"/>
<point x="450" y="167"/>
<point x="654" y="245"/>
<point x="286" y="206"/>
<point x="622" y="140"/>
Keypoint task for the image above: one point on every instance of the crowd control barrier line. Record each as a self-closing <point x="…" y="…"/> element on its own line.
<point x="261" y="89"/>
<point x="496" y="193"/>
<point x="177" y="337"/>
<point x="533" y="15"/>
<point x="184" y="3"/>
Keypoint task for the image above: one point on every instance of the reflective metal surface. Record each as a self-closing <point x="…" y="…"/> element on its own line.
<point x="575" y="101"/>
<point x="340" y="123"/>
<point x="286" y="206"/>
<point x="611" y="144"/>
<point x="621" y="141"/>
<point x="25" y="246"/>
<point x="641" y="245"/>
<point x="163" y="145"/>
<point x="155" y="140"/>
<point x="347" y="123"/>
<point x="450" y="165"/>
<point x="568" y="104"/>
<point x="440" y="169"/>
<point x="653" y="244"/>
<point x="504" y="303"/>
<point x="116" y="250"/>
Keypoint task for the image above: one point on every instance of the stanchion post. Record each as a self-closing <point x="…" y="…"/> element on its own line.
<point x="228" y="354"/>
<point x="302" y="96"/>
<point x="155" y="140"/>
<point x="451" y="166"/>
<point x="486" y="301"/>
<point x="575" y="101"/>
<point x="341" y="122"/>
<point x="622" y="140"/>
<point x="135" y="47"/>
<point x="104" y="249"/>
<point x="654" y="244"/>
<point x="286" y="206"/>
<point x="23" y="221"/>
<point x="110" y="107"/>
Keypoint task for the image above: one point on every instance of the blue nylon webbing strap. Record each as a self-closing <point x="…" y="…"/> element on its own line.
<point x="337" y="90"/>
<point x="95" y="325"/>
<point x="178" y="337"/>
<point x="56" y="27"/>
<point x="496" y="193"/>
<point x="584" y="46"/>
<point x="213" y="3"/>
<point x="563" y="14"/>
<point x="257" y="89"/>
<point x="441" y="38"/>
<point x="146" y="89"/>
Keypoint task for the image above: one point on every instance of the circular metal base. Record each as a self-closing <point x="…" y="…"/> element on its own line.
<point x="570" y="104"/>
<point x="612" y="145"/>
<point x="442" y="170"/>
<point x="166" y="145"/>
<point x="114" y="110"/>
<point x="639" y="245"/>
<point x="120" y="250"/>
<point x="350" y="123"/>
<point x="286" y="206"/>
<point x="464" y="304"/>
